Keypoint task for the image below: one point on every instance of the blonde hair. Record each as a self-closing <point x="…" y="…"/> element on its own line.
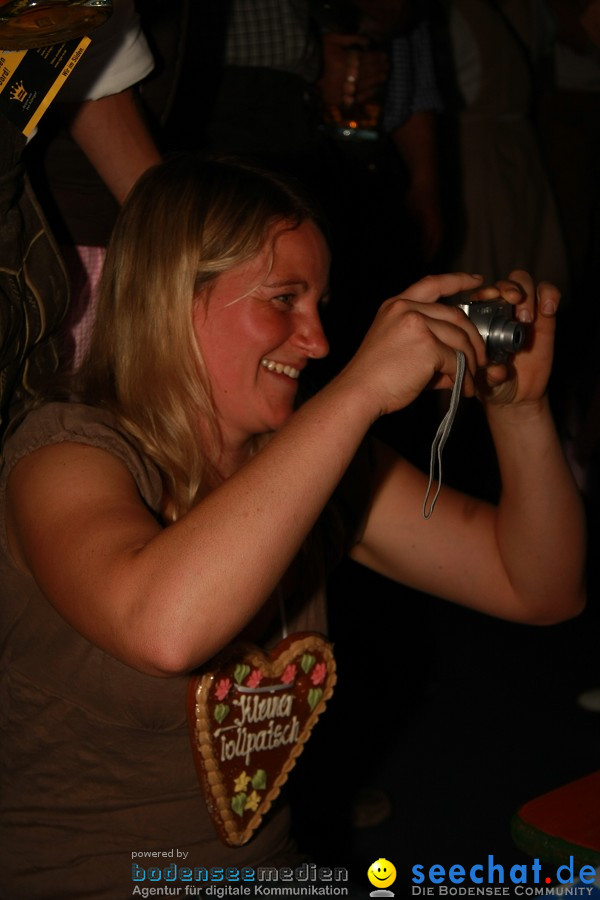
<point x="185" y="222"/>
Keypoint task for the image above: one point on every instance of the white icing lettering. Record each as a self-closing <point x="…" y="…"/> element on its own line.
<point x="247" y="742"/>
<point x="255" y="708"/>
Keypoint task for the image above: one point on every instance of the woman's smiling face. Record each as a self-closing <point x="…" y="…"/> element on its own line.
<point x="260" y="327"/>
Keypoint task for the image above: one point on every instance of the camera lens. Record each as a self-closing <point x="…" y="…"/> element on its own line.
<point x="505" y="337"/>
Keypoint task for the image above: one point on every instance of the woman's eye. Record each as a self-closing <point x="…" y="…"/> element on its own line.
<point x="285" y="298"/>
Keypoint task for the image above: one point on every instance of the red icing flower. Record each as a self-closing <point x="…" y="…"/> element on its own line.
<point x="222" y="689"/>
<point x="318" y="673"/>
<point x="289" y="674"/>
<point x="254" y="678"/>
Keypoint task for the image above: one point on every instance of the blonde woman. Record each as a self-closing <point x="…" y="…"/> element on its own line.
<point x="183" y="499"/>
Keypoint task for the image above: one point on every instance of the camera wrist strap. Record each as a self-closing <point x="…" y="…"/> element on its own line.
<point x="442" y="436"/>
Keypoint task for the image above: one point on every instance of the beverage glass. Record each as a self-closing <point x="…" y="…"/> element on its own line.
<point x="36" y="23"/>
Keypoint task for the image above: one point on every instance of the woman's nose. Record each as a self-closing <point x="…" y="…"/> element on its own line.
<point x="311" y="337"/>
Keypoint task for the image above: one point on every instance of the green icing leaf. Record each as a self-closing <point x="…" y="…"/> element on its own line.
<point x="307" y="662"/>
<point x="240" y="672"/>
<point x="238" y="803"/>
<point x="314" y="695"/>
<point x="221" y="712"/>
<point x="259" y="780"/>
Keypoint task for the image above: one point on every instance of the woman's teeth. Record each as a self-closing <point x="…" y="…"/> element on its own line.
<point x="280" y="368"/>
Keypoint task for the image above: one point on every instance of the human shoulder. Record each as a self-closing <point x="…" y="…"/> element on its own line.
<point x="77" y="423"/>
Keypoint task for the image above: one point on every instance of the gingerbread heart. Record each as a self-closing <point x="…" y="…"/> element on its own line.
<point x="250" y="715"/>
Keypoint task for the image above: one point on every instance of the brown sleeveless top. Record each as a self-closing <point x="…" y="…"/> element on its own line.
<point x="95" y="758"/>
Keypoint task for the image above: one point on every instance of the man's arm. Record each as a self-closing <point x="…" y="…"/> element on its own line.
<point x="113" y="135"/>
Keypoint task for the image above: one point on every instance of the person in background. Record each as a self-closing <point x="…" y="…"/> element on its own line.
<point x="496" y="50"/>
<point x="35" y="285"/>
<point x="93" y="145"/>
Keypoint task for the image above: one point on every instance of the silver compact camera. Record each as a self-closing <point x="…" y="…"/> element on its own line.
<point x="495" y="322"/>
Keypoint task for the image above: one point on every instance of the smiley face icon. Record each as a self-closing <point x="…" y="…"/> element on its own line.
<point x="382" y="873"/>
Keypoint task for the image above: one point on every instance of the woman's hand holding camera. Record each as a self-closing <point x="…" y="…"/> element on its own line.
<point x="524" y="378"/>
<point x="413" y="340"/>
<point x="412" y="344"/>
